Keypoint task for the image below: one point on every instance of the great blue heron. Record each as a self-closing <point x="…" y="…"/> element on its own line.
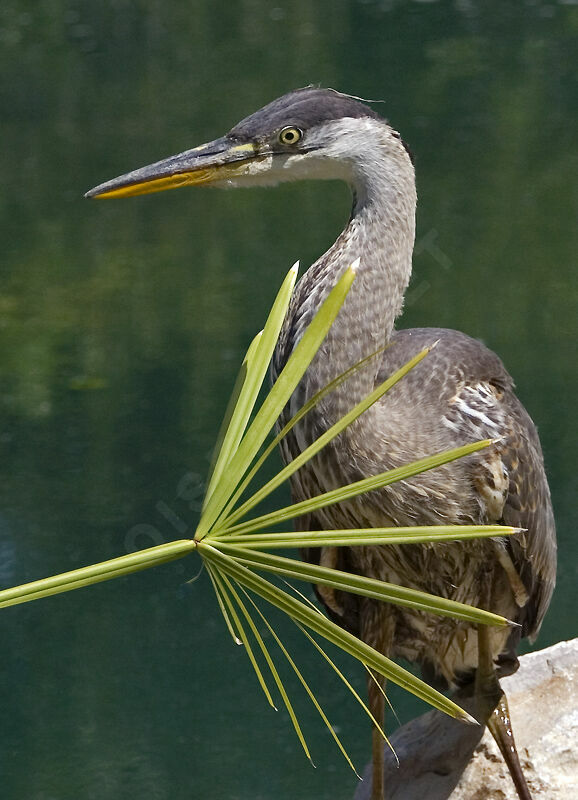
<point x="459" y="393"/>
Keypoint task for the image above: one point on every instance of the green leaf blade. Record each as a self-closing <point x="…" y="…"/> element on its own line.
<point x="299" y="415"/>
<point x="307" y="454"/>
<point x="271" y="664"/>
<point x="307" y="688"/>
<point x="362" y="585"/>
<point x="256" y="364"/>
<point x="333" y="633"/>
<point x="96" y="573"/>
<point x="354" y="537"/>
<point x="228" y="592"/>
<point x="347" y="492"/>
<point x="275" y="401"/>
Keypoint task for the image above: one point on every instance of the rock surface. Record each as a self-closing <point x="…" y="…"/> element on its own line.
<point x="435" y="752"/>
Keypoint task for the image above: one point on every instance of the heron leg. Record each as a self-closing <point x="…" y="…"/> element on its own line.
<point x="492" y="710"/>
<point x="376" y="697"/>
<point x="378" y="624"/>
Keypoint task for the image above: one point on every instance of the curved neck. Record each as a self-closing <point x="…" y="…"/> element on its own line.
<point x="381" y="233"/>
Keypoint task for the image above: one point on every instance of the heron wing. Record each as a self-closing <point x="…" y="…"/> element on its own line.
<point x="476" y="396"/>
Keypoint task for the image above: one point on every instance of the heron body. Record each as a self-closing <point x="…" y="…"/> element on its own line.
<point x="458" y="394"/>
<point x="431" y="410"/>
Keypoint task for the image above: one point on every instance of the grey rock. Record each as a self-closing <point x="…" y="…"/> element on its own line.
<point x="442" y="759"/>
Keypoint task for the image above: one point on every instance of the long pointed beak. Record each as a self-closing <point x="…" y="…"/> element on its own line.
<point x="220" y="160"/>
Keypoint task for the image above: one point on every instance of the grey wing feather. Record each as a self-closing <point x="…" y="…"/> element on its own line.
<point x="528" y="505"/>
<point x="465" y="362"/>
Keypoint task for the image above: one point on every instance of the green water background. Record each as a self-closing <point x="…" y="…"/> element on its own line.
<point x="122" y="325"/>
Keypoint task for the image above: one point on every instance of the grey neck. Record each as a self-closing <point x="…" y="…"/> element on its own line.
<point x="381" y="234"/>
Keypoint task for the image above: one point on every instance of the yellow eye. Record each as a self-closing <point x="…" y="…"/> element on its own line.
<point x="290" y="135"/>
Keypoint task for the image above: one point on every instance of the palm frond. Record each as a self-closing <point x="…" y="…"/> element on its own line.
<point x="234" y="548"/>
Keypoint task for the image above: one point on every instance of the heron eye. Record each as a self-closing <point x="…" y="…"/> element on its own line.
<point x="290" y="135"/>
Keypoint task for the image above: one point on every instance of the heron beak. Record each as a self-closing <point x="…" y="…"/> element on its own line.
<point x="220" y="160"/>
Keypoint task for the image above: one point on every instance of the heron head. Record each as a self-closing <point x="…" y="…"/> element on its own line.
<point x="308" y="133"/>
